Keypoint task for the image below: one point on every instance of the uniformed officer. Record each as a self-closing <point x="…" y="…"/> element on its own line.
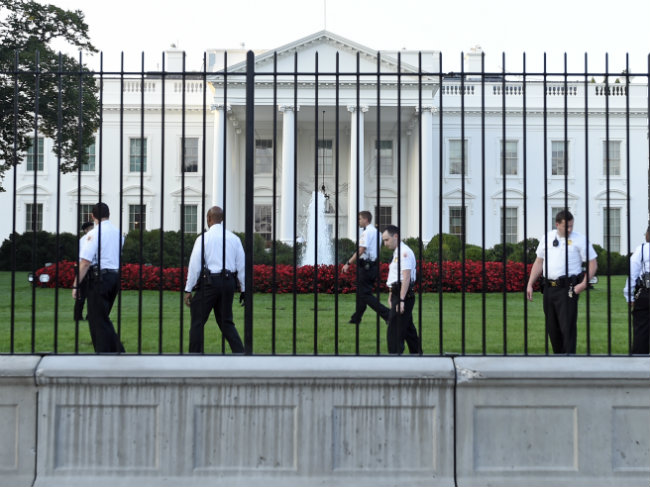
<point x="83" y="285"/>
<point x="562" y="286"/>
<point x="401" y="279"/>
<point x="102" y="245"/>
<point x="217" y="281"/>
<point x="367" y="269"/>
<point x="636" y="292"/>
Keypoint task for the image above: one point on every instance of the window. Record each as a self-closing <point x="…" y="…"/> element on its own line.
<point x="325" y="157"/>
<point x="385" y="148"/>
<point x="509" y="166"/>
<point x="191" y="156"/>
<point x="35" y="154"/>
<point x="89" y="165"/>
<point x="457" y="156"/>
<point x="559" y="158"/>
<point x="554" y="211"/>
<point x="190" y="218"/>
<point x="33" y="217"/>
<point x="509" y="224"/>
<point x="383" y="216"/>
<point x="86" y="213"/>
<point x="456" y="221"/>
<point x="264" y="221"/>
<point x="263" y="156"/>
<point x="613" y="230"/>
<point x="137" y="217"/>
<point x="137" y="150"/>
<point x="614" y="158"/>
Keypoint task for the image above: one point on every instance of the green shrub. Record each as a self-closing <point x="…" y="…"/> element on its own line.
<point x="618" y="264"/>
<point x="46" y="249"/>
<point x="451" y="246"/>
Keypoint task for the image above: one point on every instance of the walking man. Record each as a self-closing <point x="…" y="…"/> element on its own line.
<point x="562" y="284"/>
<point x="639" y="297"/>
<point x="216" y="263"/>
<point x="102" y="245"/>
<point x="82" y="290"/>
<point x="401" y="279"/>
<point x="367" y="270"/>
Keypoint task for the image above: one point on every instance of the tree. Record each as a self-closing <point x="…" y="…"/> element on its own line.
<point x="51" y="93"/>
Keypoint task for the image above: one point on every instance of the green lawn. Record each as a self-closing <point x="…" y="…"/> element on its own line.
<point x="140" y="323"/>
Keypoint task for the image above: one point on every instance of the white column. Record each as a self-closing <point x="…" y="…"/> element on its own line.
<point x="287" y="183"/>
<point x="220" y="114"/>
<point x="357" y="159"/>
<point x="428" y="175"/>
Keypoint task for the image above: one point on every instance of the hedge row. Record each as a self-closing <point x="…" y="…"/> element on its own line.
<point x="170" y="255"/>
<point x="454" y="277"/>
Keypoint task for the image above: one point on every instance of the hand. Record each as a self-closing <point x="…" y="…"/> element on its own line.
<point x="580" y="287"/>
<point x="401" y="307"/>
<point x="74" y="292"/>
<point x="529" y="293"/>
<point x="631" y="305"/>
<point x="346" y="266"/>
<point x="242" y="299"/>
<point x="188" y="298"/>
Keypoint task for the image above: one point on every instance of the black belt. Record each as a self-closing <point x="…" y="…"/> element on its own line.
<point x="564" y="281"/>
<point x="396" y="287"/>
<point x="104" y="271"/>
<point x="223" y="274"/>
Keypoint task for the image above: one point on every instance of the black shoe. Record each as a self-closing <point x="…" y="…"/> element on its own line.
<point x="352" y="322"/>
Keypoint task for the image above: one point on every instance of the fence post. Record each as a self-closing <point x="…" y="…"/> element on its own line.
<point x="250" y="154"/>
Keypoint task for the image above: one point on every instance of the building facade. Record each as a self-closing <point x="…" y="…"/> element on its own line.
<point x="491" y="158"/>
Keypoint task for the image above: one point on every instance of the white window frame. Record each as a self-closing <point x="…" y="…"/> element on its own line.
<point x="146" y="154"/>
<point x="257" y="165"/>
<point x="182" y="156"/>
<point x="567" y="148"/>
<point x="39" y="216"/>
<point x="459" y="174"/>
<point x="618" y="143"/>
<point x="505" y="142"/>
<point x="615" y="239"/>
<point x="40" y="156"/>
<point x="504" y="223"/>
<point x="143" y="211"/>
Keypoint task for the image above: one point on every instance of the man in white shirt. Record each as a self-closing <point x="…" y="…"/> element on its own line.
<point x="562" y="286"/>
<point x="401" y="279"/>
<point x="83" y="285"/>
<point x="102" y="246"/>
<point x="367" y="270"/>
<point x="215" y="268"/>
<point x="636" y="292"/>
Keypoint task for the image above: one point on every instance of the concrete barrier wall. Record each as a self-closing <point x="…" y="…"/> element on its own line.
<point x="572" y="421"/>
<point x="308" y="421"/>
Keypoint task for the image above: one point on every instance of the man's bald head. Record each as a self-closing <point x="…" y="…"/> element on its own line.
<point x="215" y="215"/>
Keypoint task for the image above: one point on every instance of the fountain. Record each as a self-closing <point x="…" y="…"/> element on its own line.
<point x="319" y="251"/>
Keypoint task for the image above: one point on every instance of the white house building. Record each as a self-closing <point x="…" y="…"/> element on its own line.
<point x="410" y="145"/>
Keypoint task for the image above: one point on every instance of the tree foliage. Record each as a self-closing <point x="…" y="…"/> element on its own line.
<point x="43" y="92"/>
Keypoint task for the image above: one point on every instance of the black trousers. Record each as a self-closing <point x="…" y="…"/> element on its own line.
<point x="102" y="291"/>
<point x="214" y="295"/>
<point x="641" y="324"/>
<point x="82" y="293"/>
<point x="561" y="313"/>
<point x="401" y="327"/>
<point x="365" y="295"/>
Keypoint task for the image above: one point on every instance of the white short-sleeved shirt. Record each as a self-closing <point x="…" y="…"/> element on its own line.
<point x="213" y="243"/>
<point x="111" y="242"/>
<point x="82" y="241"/>
<point x="639" y="263"/>
<point x="368" y="240"/>
<point x="580" y="250"/>
<point x="406" y="258"/>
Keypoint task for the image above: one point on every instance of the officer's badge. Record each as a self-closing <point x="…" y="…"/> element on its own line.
<point x="570" y="242"/>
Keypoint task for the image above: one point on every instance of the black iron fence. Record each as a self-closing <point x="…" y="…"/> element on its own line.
<point x="471" y="166"/>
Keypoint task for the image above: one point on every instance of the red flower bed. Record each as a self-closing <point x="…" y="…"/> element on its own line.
<point x="326" y="282"/>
